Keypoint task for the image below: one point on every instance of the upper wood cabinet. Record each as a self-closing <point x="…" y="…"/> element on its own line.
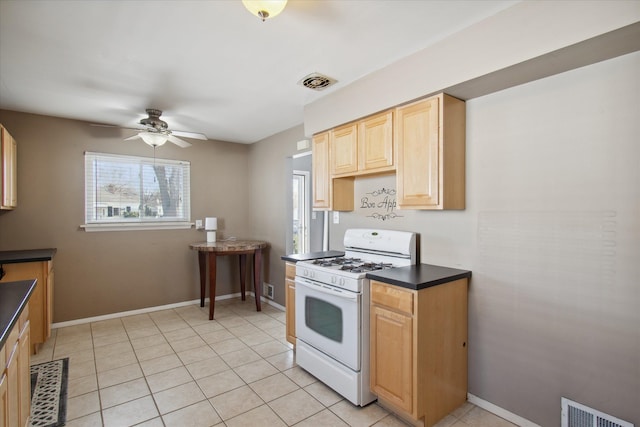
<point x="344" y="149"/>
<point x="320" y="171"/>
<point x="375" y="143"/>
<point x="363" y="147"/>
<point x="9" y="174"/>
<point x="430" y="146"/>
<point x="328" y="193"/>
<point x="422" y="142"/>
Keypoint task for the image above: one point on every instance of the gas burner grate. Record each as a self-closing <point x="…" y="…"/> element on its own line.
<point x="351" y="264"/>
<point x="366" y="266"/>
<point x="325" y="262"/>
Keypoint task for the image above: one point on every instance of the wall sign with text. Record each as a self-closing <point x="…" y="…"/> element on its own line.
<point x="380" y="204"/>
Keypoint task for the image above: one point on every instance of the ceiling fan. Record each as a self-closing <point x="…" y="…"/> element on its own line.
<point x="155" y="132"/>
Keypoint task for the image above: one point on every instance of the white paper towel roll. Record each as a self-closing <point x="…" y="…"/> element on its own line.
<point x="210" y="223"/>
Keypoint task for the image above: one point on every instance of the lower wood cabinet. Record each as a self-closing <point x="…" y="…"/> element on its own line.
<point x="24" y="374"/>
<point x="15" y="379"/>
<point x="419" y="349"/>
<point x="4" y="395"/>
<point x="290" y="301"/>
<point x="41" y="302"/>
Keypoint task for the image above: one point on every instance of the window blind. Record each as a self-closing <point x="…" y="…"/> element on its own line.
<point x="123" y="189"/>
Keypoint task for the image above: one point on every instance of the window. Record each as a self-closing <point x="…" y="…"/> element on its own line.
<point x="124" y="192"/>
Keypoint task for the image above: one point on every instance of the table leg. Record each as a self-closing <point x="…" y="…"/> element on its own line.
<point x="212" y="283"/>
<point x="243" y="274"/>
<point x="202" y="263"/>
<point x="257" y="277"/>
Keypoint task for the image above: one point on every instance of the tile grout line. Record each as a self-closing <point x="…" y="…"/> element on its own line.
<point x="188" y="316"/>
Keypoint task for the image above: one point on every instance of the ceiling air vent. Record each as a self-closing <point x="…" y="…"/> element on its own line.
<point x="316" y="81"/>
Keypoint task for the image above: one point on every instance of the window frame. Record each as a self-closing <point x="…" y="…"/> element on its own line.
<point x="138" y="223"/>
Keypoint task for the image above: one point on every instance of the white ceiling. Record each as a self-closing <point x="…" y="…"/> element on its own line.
<point x="211" y="66"/>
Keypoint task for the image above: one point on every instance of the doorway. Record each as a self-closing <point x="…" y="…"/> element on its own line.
<point x="301" y="189"/>
<point x="300" y="164"/>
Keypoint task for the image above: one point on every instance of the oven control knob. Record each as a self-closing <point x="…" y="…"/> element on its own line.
<point x="305" y="272"/>
<point x="342" y="281"/>
<point x="312" y="275"/>
<point x="333" y="279"/>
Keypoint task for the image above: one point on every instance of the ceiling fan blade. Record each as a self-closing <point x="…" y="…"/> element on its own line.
<point x="193" y="135"/>
<point x="154" y="125"/>
<point x="178" y="141"/>
<point x="100" y="125"/>
<point x="136" y="136"/>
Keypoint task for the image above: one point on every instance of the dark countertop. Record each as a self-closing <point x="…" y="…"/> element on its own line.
<point x="13" y="299"/>
<point x="28" y="255"/>
<point x="311" y="255"/>
<point x="419" y="276"/>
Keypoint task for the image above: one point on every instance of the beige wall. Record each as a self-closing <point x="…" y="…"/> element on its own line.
<point x="551" y="230"/>
<point x="108" y="272"/>
<point x="551" y="233"/>
<point x="269" y="183"/>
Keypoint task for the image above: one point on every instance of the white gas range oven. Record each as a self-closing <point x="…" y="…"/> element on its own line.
<point x="332" y="308"/>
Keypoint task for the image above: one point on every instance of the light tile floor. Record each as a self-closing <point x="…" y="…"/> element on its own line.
<point x="177" y="368"/>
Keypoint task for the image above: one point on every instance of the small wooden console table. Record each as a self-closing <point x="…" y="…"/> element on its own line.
<point x="209" y="251"/>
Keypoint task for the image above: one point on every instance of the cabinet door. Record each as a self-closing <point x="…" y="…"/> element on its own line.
<point x="4" y="402"/>
<point x="290" y="301"/>
<point x="392" y="357"/>
<point x="24" y="376"/>
<point x="13" y="403"/>
<point x="344" y="149"/>
<point x="9" y="170"/>
<point x="49" y="301"/>
<point x="320" y="172"/>
<point x="291" y="310"/>
<point x="417" y="140"/>
<point x="375" y="142"/>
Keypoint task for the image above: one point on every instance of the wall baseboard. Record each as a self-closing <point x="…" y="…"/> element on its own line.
<point x="501" y="412"/>
<point x="158" y="308"/>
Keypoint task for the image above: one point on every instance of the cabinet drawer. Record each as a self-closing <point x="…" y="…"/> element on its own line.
<point x="290" y="270"/>
<point x="392" y="297"/>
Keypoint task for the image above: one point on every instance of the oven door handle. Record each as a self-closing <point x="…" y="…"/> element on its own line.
<point x="329" y="291"/>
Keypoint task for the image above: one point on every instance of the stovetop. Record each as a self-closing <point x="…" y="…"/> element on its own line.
<point x="350" y="264"/>
<point x="366" y="250"/>
<point x="344" y="272"/>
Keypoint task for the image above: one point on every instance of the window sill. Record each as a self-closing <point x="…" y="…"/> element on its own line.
<point x="136" y="226"/>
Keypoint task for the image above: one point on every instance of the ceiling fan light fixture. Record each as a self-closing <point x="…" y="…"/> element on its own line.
<point x="264" y="9"/>
<point x="153" y="139"/>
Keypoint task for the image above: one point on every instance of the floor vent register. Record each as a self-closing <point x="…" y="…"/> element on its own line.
<point x="577" y="415"/>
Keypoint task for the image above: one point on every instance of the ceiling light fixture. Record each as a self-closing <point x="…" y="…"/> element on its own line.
<point x="264" y="9"/>
<point x="153" y="139"/>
